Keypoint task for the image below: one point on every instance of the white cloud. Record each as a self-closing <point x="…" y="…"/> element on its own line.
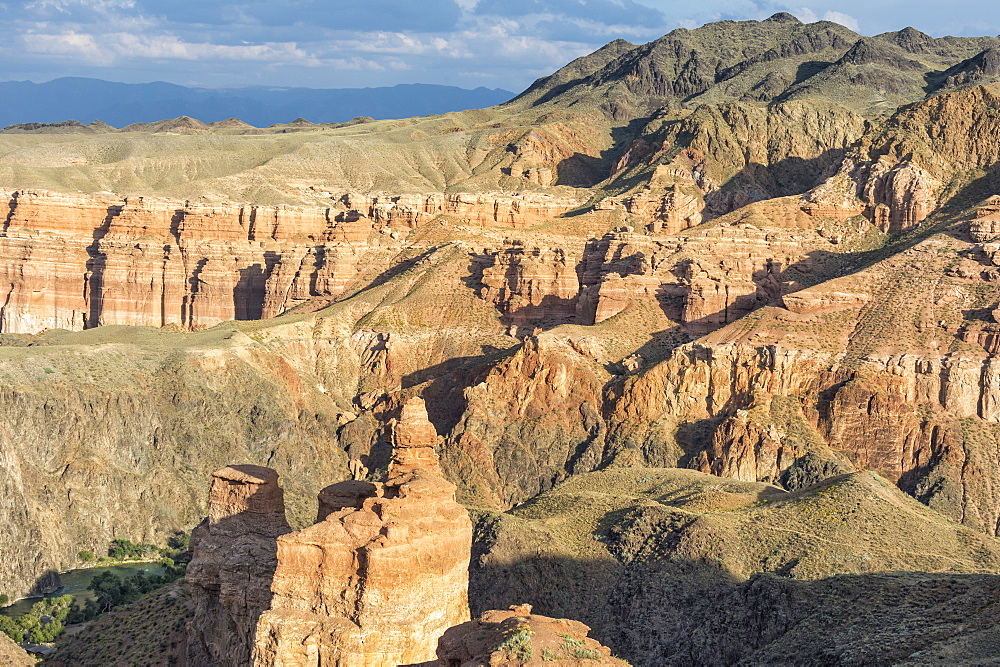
<point x="68" y="43"/>
<point x="845" y="20"/>
<point x="109" y="48"/>
<point x="807" y="15"/>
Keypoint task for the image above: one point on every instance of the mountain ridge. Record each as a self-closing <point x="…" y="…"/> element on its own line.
<point x="119" y="104"/>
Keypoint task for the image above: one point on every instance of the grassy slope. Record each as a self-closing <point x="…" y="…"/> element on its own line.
<point x="666" y="566"/>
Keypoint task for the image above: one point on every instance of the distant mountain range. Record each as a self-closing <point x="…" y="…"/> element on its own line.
<point x="121" y="104"/>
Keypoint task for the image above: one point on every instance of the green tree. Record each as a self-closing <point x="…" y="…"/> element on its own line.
<point x="86" y="556"/>
<point x="179" y="541"/>
<point x="9" y="627"/>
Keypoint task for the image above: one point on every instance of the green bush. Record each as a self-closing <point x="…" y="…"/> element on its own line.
<point x="86" y="556"/>
<point x="4" y="599"/>
<point x="517" y="642"/>
<point x="112" y="591"/>
<point x="42" y="623"/>
<point x="9" y="627"/>
<point x="122" y="549"/>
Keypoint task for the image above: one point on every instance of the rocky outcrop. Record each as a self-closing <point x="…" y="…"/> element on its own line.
<point x="904" y="171"/>
<point x="531" y="422"/>
<point x="897" y="414"/>
<point x="702" y="281"/>
<point x="985" y="226"/>
<point x="824" y="298"/>
<point x="233" y="558"/>
<point x="721" y="157"/>
<point x="674" y="197"/>
<point x="517" y="637"/>
<point x="900" y="195"/>
<point x="529" y="285"/>
<point x="382" y="574"/>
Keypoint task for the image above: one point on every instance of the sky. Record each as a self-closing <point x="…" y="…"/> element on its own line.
<point x="335" y="44"/>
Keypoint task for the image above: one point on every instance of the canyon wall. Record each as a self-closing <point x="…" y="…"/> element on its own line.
<point x="77" y="262"/>
<point x="780" y="415"/>
<point x="702" y="281"/>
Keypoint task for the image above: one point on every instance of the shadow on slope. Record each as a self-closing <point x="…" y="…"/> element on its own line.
<point x="673" y="567"/>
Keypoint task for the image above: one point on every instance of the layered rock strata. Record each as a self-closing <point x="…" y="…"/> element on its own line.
<point x="233" y="557"/>
<point x="76" y="262"/>
<point x="702" y="281"/>
<point x="493" y="210"/>
<point x="898" y="414"/>
<point x="382" y="574"/>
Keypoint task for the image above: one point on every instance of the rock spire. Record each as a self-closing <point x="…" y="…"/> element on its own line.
<point x="382" y="574"/>
<point x="233" y="557"/>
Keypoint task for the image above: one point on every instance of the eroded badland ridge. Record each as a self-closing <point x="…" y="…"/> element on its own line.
<point x="707" y="326"/>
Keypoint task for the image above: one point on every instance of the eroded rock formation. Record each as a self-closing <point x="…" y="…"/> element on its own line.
<point x="382" y="574"/>
<point x="77" y="262"/>
<point x="702" y="281"/>
<point x="898" y="415"/>
<point x="517" y="637"/>
<point x="233" y="557"/>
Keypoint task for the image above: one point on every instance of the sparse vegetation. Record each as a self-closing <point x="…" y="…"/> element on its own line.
<point x="517" y="642"/>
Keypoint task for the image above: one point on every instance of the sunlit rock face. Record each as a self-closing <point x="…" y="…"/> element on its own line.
<point x="383" y="573"/>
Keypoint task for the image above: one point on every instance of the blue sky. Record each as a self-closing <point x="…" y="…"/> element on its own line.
<point x="332" y="44"/>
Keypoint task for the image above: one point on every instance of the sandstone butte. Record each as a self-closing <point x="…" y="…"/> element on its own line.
<point x="379" y="577"/>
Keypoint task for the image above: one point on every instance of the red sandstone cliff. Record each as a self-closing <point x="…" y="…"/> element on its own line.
<point x="77" y="262"/>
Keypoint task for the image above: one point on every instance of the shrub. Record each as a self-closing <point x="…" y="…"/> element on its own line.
<point x="517" y="643"/>
<point x="122" y="549"/>
<point x="86" y="556"/>
<point x="9" y="627"/>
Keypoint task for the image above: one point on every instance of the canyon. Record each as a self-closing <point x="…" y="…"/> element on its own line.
<point x="703" y="357"/>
